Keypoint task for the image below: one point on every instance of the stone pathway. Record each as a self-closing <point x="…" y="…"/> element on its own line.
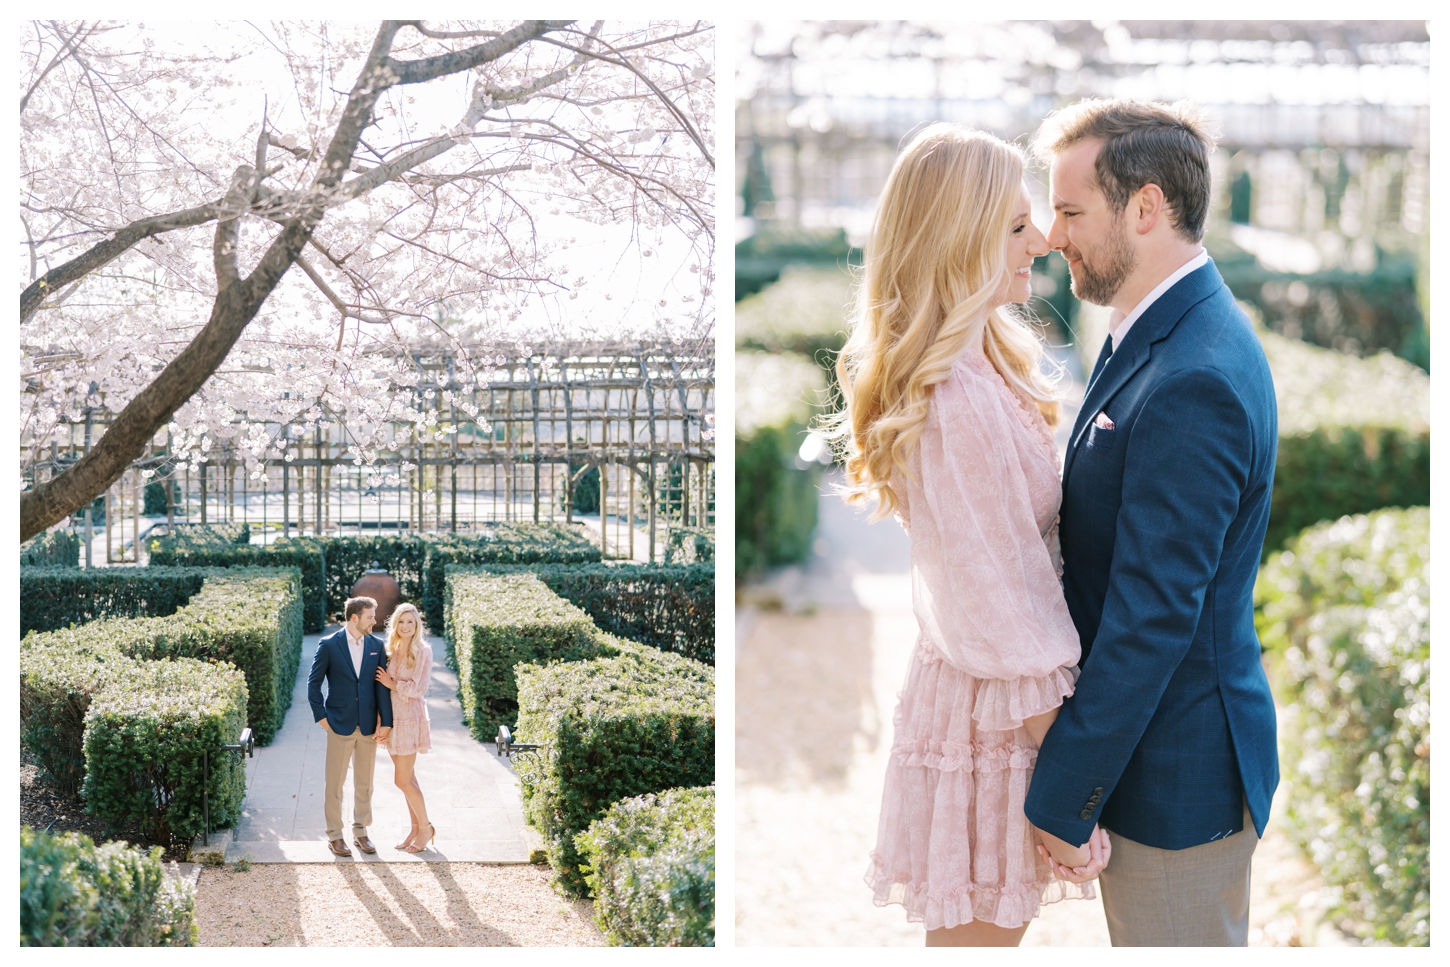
<point x="472" y="795"/>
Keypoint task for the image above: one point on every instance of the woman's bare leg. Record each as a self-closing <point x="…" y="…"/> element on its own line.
<point x="406" y="780"/>
<point x="978" y="933"/>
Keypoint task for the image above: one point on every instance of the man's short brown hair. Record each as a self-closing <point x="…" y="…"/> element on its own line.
<point x="357" y="606"/>
<point x="1143" y="143"/>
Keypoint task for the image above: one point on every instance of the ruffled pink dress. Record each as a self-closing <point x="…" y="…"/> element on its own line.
<point x="996" y="646"/>
<point x="410" y="705"/>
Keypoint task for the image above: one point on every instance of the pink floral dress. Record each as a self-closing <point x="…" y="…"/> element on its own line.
<point x="410" y="706"/>
<point x="996" y="646"/>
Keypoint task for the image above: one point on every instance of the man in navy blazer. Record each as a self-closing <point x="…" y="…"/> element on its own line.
<point x="1169" y="740"/>
<point x="357" y="712"/>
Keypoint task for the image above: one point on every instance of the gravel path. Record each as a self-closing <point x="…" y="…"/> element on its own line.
<point x="389" y="905"/>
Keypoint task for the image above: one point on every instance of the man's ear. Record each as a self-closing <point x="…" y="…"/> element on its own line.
<point x="1150" y="206"/>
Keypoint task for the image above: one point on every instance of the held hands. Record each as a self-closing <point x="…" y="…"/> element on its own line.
<point x="1076" y="864"/>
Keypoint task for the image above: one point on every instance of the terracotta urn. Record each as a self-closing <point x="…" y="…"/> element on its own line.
<point x="379" y="585"/>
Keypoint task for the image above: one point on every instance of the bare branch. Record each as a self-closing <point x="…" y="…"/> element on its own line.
<point x="418" y="71"/>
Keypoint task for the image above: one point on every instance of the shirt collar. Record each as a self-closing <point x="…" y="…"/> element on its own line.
<point x="354" y="642"/>
<point x="1120" y="325"/>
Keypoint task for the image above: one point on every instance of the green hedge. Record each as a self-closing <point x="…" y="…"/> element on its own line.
<point x="145" y="738"/>
<point x="610" y="728"/>
<point x="806" y="312"/>
<point x="53" y="548"/>
<point x="59" y="675"/>
<point x="501" y="544"/>
<point x="1354" y="435"/>
<point x="650" y="863"/>
<point x="54" y="597"/>
<point x="690" y="545"/>
<point x="250" y="617"/>
<point x="671" y="607"/>
<point x="214" y="547"/>
<point x="1344" y="616"/>
<point x="75" y="894"/>
<point x="497" y="621"/>
<point x="775" y="494"/>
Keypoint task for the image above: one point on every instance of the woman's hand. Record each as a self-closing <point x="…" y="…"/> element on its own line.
<point x="1099" y="850"/>
<point x="388" y="680"/>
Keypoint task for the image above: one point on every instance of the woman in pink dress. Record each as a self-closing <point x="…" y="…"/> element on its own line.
<point x="948" y="427"/>
<point x="410" y="663"/>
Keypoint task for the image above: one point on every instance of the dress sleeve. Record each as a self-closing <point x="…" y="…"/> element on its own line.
<point x="985" y="588"/>
<point x="418" y="687"/>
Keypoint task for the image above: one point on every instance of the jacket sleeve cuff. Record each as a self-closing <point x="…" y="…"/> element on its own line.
<point x="1003" y="704"/>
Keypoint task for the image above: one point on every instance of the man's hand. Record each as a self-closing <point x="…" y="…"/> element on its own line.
<point x="323" y="722"/>
<point x="383" y="732"/>
<point x="1100" y="850"/>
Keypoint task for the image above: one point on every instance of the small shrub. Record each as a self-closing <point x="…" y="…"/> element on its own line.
<point x="1354" y="435"/>
<point x="53" y="548"/>
<point x="144" y="743"/>
<point x="75" y="894"/>
<point x="610" y="728"/>
<point x="690" y="545"/>
<point x="1344" y="612"/>
<point x="650" y="863"/>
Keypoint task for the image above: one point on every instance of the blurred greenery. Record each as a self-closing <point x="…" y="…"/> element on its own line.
<point x="1344" y="616"/>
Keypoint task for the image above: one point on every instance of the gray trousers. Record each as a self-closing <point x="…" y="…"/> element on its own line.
<point x="1195" y="897"/>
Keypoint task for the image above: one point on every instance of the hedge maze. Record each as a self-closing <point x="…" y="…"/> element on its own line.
<point x="130" y="675"/>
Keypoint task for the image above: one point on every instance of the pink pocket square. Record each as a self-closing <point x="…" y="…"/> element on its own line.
<point x="1103" y="422"/>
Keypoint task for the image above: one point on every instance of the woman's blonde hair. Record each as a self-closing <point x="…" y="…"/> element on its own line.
<point x="393" y="639"/>
<point x="935" y="263"/>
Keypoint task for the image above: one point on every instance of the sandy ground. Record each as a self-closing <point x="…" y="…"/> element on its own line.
<point x="821" y="653"/>
<point x="389" y="905"/>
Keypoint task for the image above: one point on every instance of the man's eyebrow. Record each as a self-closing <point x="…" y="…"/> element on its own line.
<point x="1059" y="204"/>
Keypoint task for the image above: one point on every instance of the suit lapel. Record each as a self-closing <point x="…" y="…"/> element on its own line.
<point x="341" y="639"/>
<point x="1152" y="326"/>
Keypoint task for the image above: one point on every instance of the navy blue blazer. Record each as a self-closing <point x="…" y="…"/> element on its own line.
<point x="1172" y="725"/>
<point x="353" y="700"/>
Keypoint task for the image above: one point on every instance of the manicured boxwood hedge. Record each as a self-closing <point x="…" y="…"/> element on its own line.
<point x="1344" y="614"/>
<point x="497" y="621"/>
<point x="671" y="607"/>
<point x="54" y="597"/>
<point x="501" y="544"/>
<point x="690" y="545"/>
<point x="199" y="547"/>
<point x="650" y="863"/>
<point x="775" y="495"/>
<point x="610" y="728"/>
<point x="75" y="894"/>
<point x="1354" y="435"/>
<point x="145" y="737"/>
<point x="250" y="617"/>
<point x="53" y="548"/>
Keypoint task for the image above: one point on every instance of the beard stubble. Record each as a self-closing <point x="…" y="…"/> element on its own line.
<point x="1116" y="260"/>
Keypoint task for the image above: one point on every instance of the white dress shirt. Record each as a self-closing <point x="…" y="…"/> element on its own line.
<point x="1119" y="325"/>
<point x="355" y="648"/>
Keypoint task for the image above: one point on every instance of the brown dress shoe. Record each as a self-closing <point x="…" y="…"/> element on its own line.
<point x="338" y="847"/>
<point x="365" y="844"/>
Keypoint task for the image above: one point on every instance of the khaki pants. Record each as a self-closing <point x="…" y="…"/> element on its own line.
<point x="1195" y="897"/>
<point x="363" y="751"/>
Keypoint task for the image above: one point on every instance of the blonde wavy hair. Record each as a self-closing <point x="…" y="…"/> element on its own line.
<point x="935" y="263"/>
<point x="393" y="640"/>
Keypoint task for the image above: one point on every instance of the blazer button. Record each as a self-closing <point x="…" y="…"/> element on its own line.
<point x="1085" y="814"/>
<point x="1098" y="791"/>
<point x="1095" y="800"/>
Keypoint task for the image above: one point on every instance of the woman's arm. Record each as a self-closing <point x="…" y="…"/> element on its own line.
<point x="1063" y="852"/>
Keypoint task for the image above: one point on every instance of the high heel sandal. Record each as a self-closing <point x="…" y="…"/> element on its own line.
<point x="407" y="840"/>
<point x="420" y="847"/>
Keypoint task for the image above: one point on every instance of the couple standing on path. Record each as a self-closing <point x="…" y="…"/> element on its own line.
<point x="369" y="701"/>
<point x="1016" y="779"/>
